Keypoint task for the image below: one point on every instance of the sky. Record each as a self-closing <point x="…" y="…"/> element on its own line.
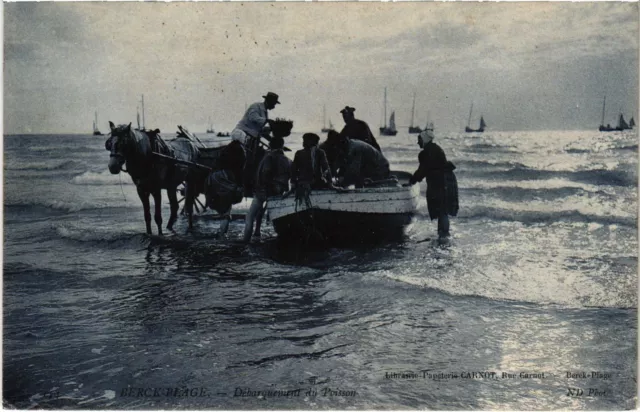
<point x="524" y="66"/>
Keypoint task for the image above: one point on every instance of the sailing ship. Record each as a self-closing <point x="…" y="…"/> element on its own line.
<point x="412" y="128"/>
<point x="326" y="129"/>
<point x="96" y="132"/>
<point x="479" y="129"/>
<point x="210" y="128"/>
<point x="391" y="129"/>
<point x="622" y="124"/>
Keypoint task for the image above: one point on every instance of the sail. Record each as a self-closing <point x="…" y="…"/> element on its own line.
<point x="632" y="123"/>
<point x="622" y="124"/>
<point x="392" y="121"/>
<point x="482" y="123"/>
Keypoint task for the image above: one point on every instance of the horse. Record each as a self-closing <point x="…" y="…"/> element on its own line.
<point x="135" y="149"/>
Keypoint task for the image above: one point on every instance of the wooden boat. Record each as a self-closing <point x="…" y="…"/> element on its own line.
<point x="370" y="213"/>
<point x="96" y="131"/>
<point x="622" y="124"/>
<point x="391" y="129"/>
<point x="479" y="129"/>
<point x="326" y="129"/>
<point x="414" y="129"/>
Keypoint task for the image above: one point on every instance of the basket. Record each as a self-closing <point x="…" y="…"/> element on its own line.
<point x="281" y="127"/>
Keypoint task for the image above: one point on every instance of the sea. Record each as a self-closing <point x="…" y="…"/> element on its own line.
<point x="531" y="305"/>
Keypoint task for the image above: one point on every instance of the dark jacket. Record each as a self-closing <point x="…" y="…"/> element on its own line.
<point x="272" y="176"/>
<point x="442" y="186"/>
<point x="359" y="130"/>
<point x="362" y="161"/>
<point x="313" y="171"/>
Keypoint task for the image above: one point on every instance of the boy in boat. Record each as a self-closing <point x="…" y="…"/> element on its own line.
<point x="310" y="165"/>
<point x="356" y="129"/>
<point x="359" y="161"/>
<point x="272" y="179"/>
<point x="442" y="186"/>
<point x="310" y="169"/>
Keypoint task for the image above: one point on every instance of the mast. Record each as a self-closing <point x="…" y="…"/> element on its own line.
<point x="324" y="116"/>
<point x="413" y="108"/>
<point x="470" y="111"/>
<point x="604" y="101"/>
<point x="143" y="112"/>
<point x="385" y="107"/>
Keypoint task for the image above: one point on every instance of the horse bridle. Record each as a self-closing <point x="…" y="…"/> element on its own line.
<point x="114" y="149"/>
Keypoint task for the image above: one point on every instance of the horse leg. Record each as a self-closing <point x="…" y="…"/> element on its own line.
<point x="144" y="198"/>
<point x="173" y="202"/>
<point x="259" y="217"/>
<point x="188" y="202"/>
<point x="157" y="202"/>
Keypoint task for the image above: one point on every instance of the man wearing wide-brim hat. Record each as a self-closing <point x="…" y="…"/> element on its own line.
<point x="357" y="129"/>
<point x="255" y="119"/>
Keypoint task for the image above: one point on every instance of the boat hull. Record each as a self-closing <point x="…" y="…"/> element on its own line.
<point x="469" y="130"/>
<point x="369" y="213"/>
<point x="388" y="132"/>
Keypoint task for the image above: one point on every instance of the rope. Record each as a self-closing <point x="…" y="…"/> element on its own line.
<point x="120" y="177"/>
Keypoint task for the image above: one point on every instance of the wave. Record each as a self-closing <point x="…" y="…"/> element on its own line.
<point x="85" y="235"/>
<point x="45" y="166"/>
<point x="102" y="178"/>
<point x="537" y="216"/>
<point x="599" y="177"/>
<point x="67" y="206"/>
<point x="633" y="148"/>
<point x="522" y="194"/>
<point x="489" y="147"/>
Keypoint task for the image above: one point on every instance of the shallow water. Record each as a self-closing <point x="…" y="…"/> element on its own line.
<point x="540" y="277"/>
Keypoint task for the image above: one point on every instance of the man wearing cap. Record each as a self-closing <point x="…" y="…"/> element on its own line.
<point x="357" y="129"/>
<point x="442" y="186"/>
<point x="272" y="179"/>
<point x="310" y="166"/>
<point x="358" y="161"/>
<point x="254" y="120"/>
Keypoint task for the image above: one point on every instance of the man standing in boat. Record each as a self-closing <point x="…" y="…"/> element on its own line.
<point x="359" y="161"/>
<point x="442" y="186"/>
<point x="357" y="129"/>
<point x="252" y="125"/>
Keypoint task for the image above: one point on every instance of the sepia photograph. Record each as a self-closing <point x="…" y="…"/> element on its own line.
<point x="320" y="205"/>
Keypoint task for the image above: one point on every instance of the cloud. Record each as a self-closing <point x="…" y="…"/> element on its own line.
<point x="199" y="60"/>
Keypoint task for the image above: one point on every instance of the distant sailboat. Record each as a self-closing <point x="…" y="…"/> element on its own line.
<point x="210" y="128"/>
<point x="622" y="124"/>
<point x="412" y="128"/>
<point x="325" y="129"/>
<point x="479" y="129"/>
<point x="391" y="130"/>
<point x="96" y="132"/>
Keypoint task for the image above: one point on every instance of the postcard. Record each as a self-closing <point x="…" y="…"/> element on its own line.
<point x="320" y="205"/>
